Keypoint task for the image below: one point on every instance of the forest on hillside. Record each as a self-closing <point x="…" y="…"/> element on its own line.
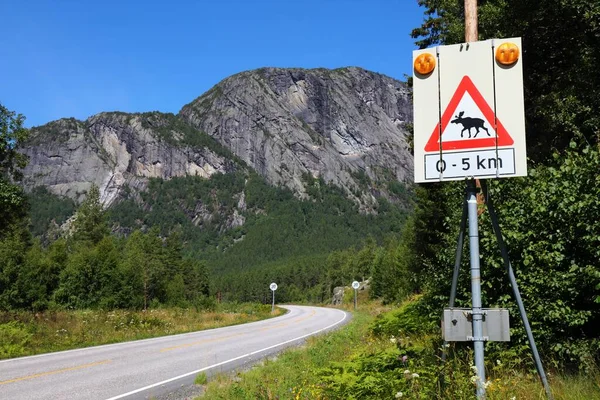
<point x="180" y="243"/>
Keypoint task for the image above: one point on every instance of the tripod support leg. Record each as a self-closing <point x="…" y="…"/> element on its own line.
<point x="459" y="250"/>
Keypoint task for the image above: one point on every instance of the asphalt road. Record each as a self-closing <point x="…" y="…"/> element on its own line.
<point x="147" y="368"/>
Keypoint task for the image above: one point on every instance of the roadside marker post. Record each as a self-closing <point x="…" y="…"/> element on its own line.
<point x="273" y="287"/>
<point x="355" y="286"/>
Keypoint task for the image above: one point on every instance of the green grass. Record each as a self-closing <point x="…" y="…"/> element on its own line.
<point x="27" y="333"/>
<point x="201" y="379"/>
<point x="361" y="362"/>
<point x="292" y="374"/>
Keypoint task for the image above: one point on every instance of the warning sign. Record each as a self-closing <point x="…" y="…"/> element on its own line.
<point x="459" y="112"/>
<point x="468" y="123"/>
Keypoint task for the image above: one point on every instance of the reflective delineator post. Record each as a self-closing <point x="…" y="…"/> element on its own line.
<point x="273" y="287"/>
<point x="355" y="286"/>
<point x="273" y="304"/>
<point x="477" y="314"/>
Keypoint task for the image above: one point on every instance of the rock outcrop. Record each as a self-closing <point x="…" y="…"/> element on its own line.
<point x="346" y="126"/>
<point x="112" y="150"/>
<point x="334" y="124"/>
<point x="338" y="295"/>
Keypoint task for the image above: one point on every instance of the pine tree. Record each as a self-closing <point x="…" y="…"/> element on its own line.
<point x="90" y="223"/>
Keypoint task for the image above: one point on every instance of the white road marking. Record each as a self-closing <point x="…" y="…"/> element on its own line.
<point x="227" y="361"/>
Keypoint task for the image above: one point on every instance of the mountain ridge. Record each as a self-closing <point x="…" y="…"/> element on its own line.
<point x="346" y="126"/>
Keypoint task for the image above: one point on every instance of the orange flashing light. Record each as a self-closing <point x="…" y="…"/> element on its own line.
<point x="507" y="53"/>
<point x="425" y="63"/>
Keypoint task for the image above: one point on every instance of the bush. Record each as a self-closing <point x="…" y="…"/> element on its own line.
<point x="205" y="303"/>
<point x="13" y="339"/>
<point x="408" y="319"/>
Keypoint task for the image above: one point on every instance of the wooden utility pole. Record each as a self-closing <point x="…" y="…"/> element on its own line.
<point x="471" y="34"/>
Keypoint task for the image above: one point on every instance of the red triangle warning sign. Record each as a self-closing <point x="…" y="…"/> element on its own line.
<point x="465" y="129"/>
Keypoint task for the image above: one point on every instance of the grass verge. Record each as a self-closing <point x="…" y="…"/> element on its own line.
<point x="26" y="333"/>
<point x="390" y="355"/>
<point x="292" y="374"/>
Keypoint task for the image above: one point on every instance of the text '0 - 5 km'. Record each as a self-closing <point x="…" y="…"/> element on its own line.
<point x="469" y="163"/>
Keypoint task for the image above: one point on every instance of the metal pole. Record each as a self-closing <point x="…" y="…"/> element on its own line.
<point x="273" y="305"/>
<point x="516" y="293"/>
<point x="471" y="35"/>
<point x="476" y="312"/>
<point x="355" y="290"/>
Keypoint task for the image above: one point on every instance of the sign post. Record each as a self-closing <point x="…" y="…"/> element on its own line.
<point x="273" y="287"/>
<point x="469" y="123"/>
<point x="355" y="286"/>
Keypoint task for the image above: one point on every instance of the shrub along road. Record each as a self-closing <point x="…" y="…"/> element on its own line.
<point x="156" y="366"/>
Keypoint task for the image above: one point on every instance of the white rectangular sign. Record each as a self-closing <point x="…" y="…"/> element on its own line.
<point x="481" y="163"/>
<point x="468" y="111"/>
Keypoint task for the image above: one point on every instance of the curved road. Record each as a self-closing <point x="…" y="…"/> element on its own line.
<point x="152" y="367"/>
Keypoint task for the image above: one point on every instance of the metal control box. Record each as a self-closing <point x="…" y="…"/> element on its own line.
<point x="457" y="325"/>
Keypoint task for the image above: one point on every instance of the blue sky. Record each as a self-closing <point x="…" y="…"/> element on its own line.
<point x="75" y="58"/>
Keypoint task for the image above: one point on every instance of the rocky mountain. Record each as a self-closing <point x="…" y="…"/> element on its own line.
<point x="346" y="126"/>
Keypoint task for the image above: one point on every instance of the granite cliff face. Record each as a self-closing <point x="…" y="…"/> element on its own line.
<point x="346" y="126"/>
<point x="113" y="150"/>
<point x="335" y="124"/>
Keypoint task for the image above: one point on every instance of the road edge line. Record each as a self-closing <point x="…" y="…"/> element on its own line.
<point x="121" y="396"/>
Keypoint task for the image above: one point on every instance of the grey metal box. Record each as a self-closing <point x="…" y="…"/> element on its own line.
<point x="457" y="325"/>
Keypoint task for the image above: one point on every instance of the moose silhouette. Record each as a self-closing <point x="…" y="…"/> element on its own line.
<point x="469" y="123"/>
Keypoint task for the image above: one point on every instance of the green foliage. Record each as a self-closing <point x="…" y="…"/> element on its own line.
<point x="13" y="204"/>
<point x="401" y="359"/>
<point x="14" y="337"/>
<point x="300" y="279"/>
<point x="88" y="278"/>
<point x="92" y="269"/>
<point x="133" y="273"/>
<point x="174" y="130"/>
<point x="408" y="366"/>
<point x="201" y="379"/>
<point x="283" y="238"/>
<point x="12" y="136"/>
<point x="394" y="268"/>
<point x="47" y="211"/>
<point x="549" y="222"/>
<point x="13" y="247"/>
<point x="90" y="221"/>
<point x="407" y="320"/>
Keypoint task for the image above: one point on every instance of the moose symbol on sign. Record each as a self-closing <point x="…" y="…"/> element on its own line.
<point x="469" y="123"/>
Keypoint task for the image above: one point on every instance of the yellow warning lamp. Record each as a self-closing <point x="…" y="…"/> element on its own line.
<point x="507" y="53"/>
<point x="425" y="63"/>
